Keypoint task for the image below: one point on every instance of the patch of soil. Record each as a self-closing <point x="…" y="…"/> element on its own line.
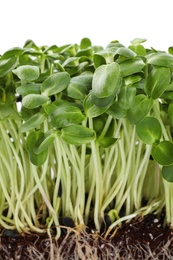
<point x="141" y="238"/>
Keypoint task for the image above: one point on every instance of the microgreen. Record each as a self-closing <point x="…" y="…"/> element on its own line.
<point x="27" y="72"/>
<point x="87" y="133"/>
<point x="149" y="130"/>
<point x="162" y="153"/>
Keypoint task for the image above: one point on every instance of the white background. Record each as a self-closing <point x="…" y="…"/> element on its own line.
<point x="68" y="21"/>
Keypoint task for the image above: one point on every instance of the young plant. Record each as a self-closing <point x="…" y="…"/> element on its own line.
<point x="87" y="135"/>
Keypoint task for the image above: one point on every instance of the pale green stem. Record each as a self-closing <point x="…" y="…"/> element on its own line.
<point x="67" y="191"/>
<point x="91" y="190"/>
<point x="78" y="178"/>
<point x="111" y="161"/>
<point x="106" y="127"/>
<point x="157" y="114"/>
<point x="29" y="222"/>
<point x="4" y="184"/>
<point x="58" y="171"/>
<point x="168" y="187"/>
<point x="139" y="177"/>
<point x="169" y="201"/>
<point x="127" y="175"/>
<point x="17" y="164"/>
<point x="98" y="179"/>
<point x="11" y="225"/>
<point x="44" y="196"/>
<point x="82" y="171"/>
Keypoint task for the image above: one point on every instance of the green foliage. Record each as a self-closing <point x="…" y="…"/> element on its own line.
<point x="33" y="122"/>
<point x="65" y="86"/>
<point x="55" y="83"/>
<point x="80" y="85"/>
<point x="35" y="157"/>
<point x="29" y="89"/>
<point x="149" y="130"/>
<point x="77" y="134"/>
<point x="7" y="65"/>
<point x="162" y="153"/>
<point x="44" y="141"/>
<point x="65" y="115"/>
<point x="27" y="72"/>
<point x="91" y="109"/>
<point x="139" y="109"/>
<point x="131" y="66"/>
<point x="157" y="82"/>
<point x="107" y="141"/>
<point x="167" y="173"/>
<point x="161" y="59"/>
<point x="31" y="101"/>
<point x="86" y="131"/>
<point x="126" y="96"/>
<point x="106" y="80"/>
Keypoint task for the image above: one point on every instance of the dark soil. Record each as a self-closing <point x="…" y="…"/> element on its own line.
<point x="142" y="238"/>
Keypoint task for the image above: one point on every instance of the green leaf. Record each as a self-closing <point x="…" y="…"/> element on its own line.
<point x="28" y="113"/>
<point x="49" y="108"/>
<point x="79" y="86"/>
<point x="44" y="141"/>
<point x="161" y="59"/>
<point x="85" y="43"/>
<point x="98" y="60"/>
<point x="162" y="153"/>
<point x="116" y="111"/>
<point x="55" y="83"/>
<point x="126" y="97"/>
<point x="125" y="52"/>
<point x="132" y="79"/>
<point x="31" y="88"/>
<point x="27" y="72"/>
<point x="167" y="95"/>
<point x="106" y="141"/>
<point x="167" y="173"/>
<point x="16" y="51"/>
<point x="170" y="113"/>
<point x="91" y="109"/>
<point x="77" y="134"/>
<point x="99" y="123"/>
<point x="106" y="80"/>
<point x="114" y="44"/>
<point x="157" y="82"/>
<point x="105" y="56"/>
<point x="65" y="115"/>
<point x="34" y="100"/>
<point x="36" y="159"/>
<point x="138" y="49"/>
<point x="71" y="62"/>
<point x="30" y="44"/>
<point x="139" y="109"/>
<point x="7" y="65"/>
<point x="85" y="53"/>
<point x="131" y="66"/>
<point x="103" y="102"/>
<point x="69" y="48"/>
<point x="170" y="87"/>
<point x="7" y="111"/>
<point x="149" y="130"/>
<point x="138" y="40"/>
<point x="170" y="50"/>
<point x="33" y="122"/>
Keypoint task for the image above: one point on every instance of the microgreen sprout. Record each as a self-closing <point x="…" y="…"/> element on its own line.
<point x="93" y="134"/>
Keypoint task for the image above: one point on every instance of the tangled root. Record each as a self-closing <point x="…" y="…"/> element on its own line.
<point x="79" y="244"/>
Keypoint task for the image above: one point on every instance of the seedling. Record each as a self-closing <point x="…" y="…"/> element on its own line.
<point x="86" y="133"/>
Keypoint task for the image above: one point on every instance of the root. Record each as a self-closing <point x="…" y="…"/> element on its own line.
<point x="81" y="245"/>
